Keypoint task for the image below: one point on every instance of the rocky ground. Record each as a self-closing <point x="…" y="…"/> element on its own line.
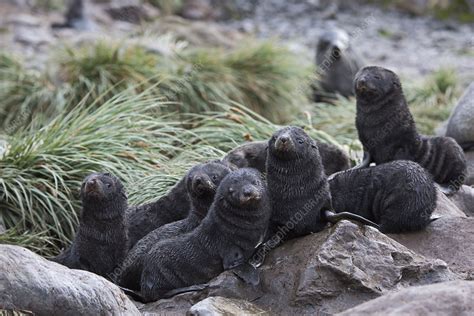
<point x="411" y="45"/>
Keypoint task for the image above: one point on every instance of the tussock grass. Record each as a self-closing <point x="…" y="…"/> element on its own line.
<point x="24" y="94"/>
<point x="263" y="76"/>
<point x="41" y="172"/>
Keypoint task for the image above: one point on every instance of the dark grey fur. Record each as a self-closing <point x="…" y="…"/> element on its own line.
<point x="399" y="195"/>
<point x="101" y="241"/>
<point x="226" y="238"/>
<point x="298" y="186"/>
<point x="75" y="16"/>
<point x="254" y="155"/>
<point x="171" y="207"/>
<point x="337" y="63"/>
<point x="388" y="132"/>
<point x="201" y="182"/>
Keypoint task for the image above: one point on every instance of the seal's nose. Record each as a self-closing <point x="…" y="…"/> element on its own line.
<point x="284" y="139"/>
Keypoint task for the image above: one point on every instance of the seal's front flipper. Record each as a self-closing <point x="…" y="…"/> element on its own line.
<point x="181" y="290"/>
<point x="234" y="257"/>
<point x="448" y="190"/>
<point x="248" y="273"/>
<point x="134" y="294"/>
<point x="333" y="218"/>
<point x="365" y="161"/>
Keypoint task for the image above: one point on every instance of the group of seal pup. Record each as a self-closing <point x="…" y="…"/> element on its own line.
<point x="222" y="211"/>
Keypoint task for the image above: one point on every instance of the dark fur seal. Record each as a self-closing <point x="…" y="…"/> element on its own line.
<point x="298" y="186"/>
<point x="172" y="207"/>
<point x="201" y="182"/>
<point x="227" y="237"/>
<point x="101" y="242"/>
<point x="337" y="63"/>
<point x="387" y="130"/>
<point x="75" y="17"/>
<point x="399" y="195"/>
<point x="254" y="155"/>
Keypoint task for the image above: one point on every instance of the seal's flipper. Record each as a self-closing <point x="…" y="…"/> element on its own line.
<point x="333" y="218"/>
<point x="448" y="190"/>
<point x="248" y="273"/>
<point x="365" y="161"/>
<point x="192" y="288"/>
<point x="134" y="294"/>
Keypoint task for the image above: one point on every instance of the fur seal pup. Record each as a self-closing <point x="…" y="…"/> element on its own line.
<point x="201" y="182"/>
<point x="226" y="238"/>
<point x="101" y="242"/>
<point x="297" y="184"/>
<point x="399" y="195"/>
<point x="76" y="16"/>
<point x="254" y="155"/>
<point x="337" y="63"/>
<point x="388" y="132"/>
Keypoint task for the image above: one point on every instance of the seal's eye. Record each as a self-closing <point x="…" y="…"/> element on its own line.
<point x="377" y="77"/>
<point x="231" y="190"/>
<point x="214" y="178"/>
<point x="108" y="185"/>
<point x="300" y="141"/>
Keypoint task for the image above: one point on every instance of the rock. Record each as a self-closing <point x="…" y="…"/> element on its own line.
<point x="197" y="10"/>
<point x="470" y="168"/>
<point x="443" y="299"/>
<point x="132" y="11"/>
<point x="445" y="207"/>
<point x="450" y="239"/>
<point x="32" y="36"/>
<point x="464" y="200"/>
<point x="461" y="121"/>
<point x="30" y="282"/>
<point x="221" y="306"/>
<point x="420" y="7"/>
<point x="330" y="271"/>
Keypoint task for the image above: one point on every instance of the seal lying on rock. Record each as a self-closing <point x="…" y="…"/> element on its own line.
<point x="399" y="195"/>
<point x="387" y="130"/>
<point x="254" y="155"/>
<point x="101" y="242"/>
<point x="226" y="238"/>
<point x="201" y="182"/>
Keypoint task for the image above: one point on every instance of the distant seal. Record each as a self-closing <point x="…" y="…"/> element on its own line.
<point x="101" y="241"/>
<point x="254" y="155"/>
<point x="297" y="184"/>
<point x="75" y="17"/>
<point x="201" y="182"/>
<point x="461" y="122"/>
<point x="227" y="237"/>
<point x="337" y="63"/>
<point x="387" y="130"/>
<point x="400" y="196"/>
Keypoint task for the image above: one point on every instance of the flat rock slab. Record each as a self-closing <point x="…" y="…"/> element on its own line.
<point x="330" y="271"/>
<point x="448" y="239"/>
<point x="32" y="283"/>
<point x="447" y="207"/>
<point x="444" y="299"/>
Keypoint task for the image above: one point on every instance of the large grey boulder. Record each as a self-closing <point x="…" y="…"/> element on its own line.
<point x="330" y="271"/>
<point x="444" y="299"/>
<point x="464" y="200"/>
<point x="30" y="282"/>
<point x="446" y="207"/>
<point x="461" y="121"/>
<point x="450" y="239"/>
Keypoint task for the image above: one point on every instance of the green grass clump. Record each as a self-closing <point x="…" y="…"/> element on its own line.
<point x="105" y="68"/>
<point x="41" y="172"/>
<point x="24" y="94"/>
<point x="264" y="77"/>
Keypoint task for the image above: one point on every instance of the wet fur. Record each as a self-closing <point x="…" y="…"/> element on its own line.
<point x="101" y="242"/>
<point x="400" y="196"/>
<point x="229" y="231"/>
<point x="388" y="132"/>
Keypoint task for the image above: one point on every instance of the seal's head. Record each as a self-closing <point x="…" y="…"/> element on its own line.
<point x="243" y="187"/>
<point x="102" y="188"/>
<point x="291" y="143"/>
<point x="203" y="179"/>
<point x="374" y="83"/>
